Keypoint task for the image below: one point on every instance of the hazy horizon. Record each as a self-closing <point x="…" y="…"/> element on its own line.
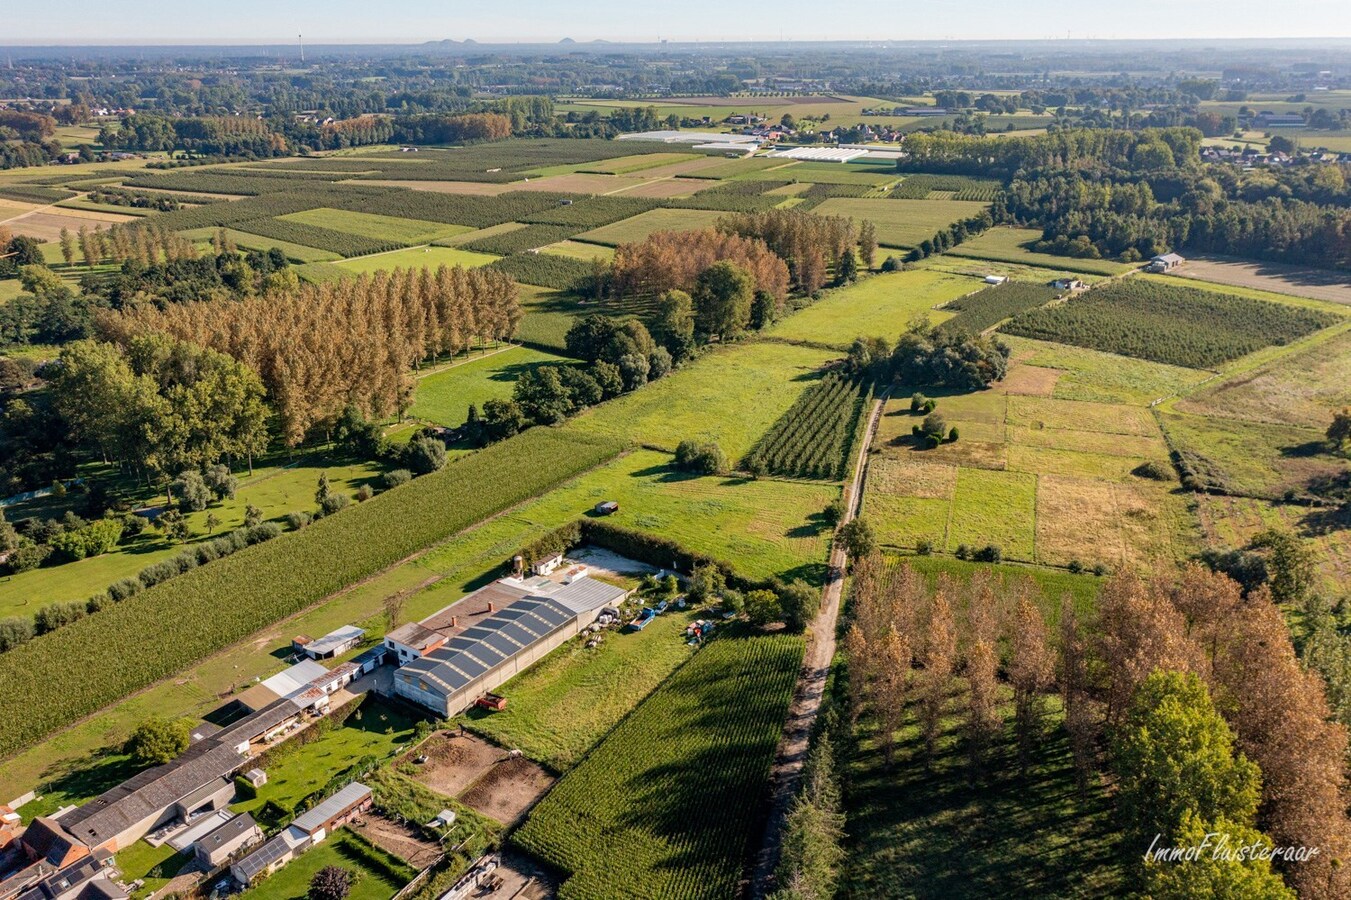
<point x="158" y="23"/>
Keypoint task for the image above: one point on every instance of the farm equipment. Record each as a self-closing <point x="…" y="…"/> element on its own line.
<point x="645" y="616"/>
<point x="661" y="607"/>
<point x="491" y="702"/>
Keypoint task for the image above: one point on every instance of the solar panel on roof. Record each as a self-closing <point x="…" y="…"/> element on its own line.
<point x="518" y="634"/>
<point x="487" y="654"/>
<point x="455" y="645"/>
<point x="503" y="644"/>
<point x="455" y="679"/>
<point x="477" y="633"/>
<point x="468" y="665"/>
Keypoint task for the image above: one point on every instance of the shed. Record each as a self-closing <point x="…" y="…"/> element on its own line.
<point x="606" y="507"/>
<point x="995" y="279"/>
<point x="337" y="809"/>
<point x="1164" y="263"/>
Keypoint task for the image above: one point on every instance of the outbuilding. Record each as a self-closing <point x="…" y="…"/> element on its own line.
<point x="1165" y="263"/>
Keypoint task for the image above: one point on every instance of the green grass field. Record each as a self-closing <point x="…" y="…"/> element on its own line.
<point x="377" y="227"/>
<point x="416" y="258"/>
<point x="292" y="882"/>
<point x="1105" y="377"/>
<point x="639" y="227"/>
<point x="902" y="223"/>
<point x="624" y="165"/>
<point x="579" y="250"/>
<point x="276" y="489"/>
<point x="1012" y="245"/>
<point x="298" y="770"/>
<point x="879" y="306"/>
<point x="731" y="395"/>
<point x="444" y="396"/>
<point x="561" y="707"/>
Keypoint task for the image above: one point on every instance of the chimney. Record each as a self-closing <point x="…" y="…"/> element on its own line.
<point x="491" y="606"/>
<point x="454" y="621"/>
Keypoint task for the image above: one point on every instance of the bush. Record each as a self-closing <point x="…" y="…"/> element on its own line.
<point x="1099" y="569"/>
<point x="133" y="525"/>
<point x="424" y="455"/>
<point x="953" y="435"/>
<point x="962" y="552"/>
<point x="266" y="531"/>
<point x="924" y="547"/>
<point x="15" y="631"/>
<point x="1151" y="470"/>
<point x="799" y="601"/>
<point x="918" y="402"/>
<point x="58" y="615"/>
<point x="157" y="573"/>
<point x="990" y="553"/>
<point x="705" y="459"/>
<point x="1075" y="567"/>
<point x="396" y="477"/>
<point x="338" y="502"/>
<point x="91" y="540"/>
<point x="364" y="493"/>
<point x="98" y="602"/>
<point x="121" y="590"/>
<point x="298" y="519"/>
<point x="834" y="512"/>
<point x="762" y="607"/>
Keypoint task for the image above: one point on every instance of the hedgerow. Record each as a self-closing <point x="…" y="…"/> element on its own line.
<point x="53" y="680"/>
<point x="530" y="237"/>
<point x="682" y="778"/>
<point x="1182" y="326"/>
<point x="989" y="307"/>
<point x="812" y="439"/>
<point x="544" y="269"/>
<point x="35" y="193"/>
<point x="733" y="196"/>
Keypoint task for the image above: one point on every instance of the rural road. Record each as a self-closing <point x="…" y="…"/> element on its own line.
<point x="811" y="685"/>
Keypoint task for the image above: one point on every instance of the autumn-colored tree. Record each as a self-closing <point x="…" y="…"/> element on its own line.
<point x="856" y="650"/>
<point x="1140" y="632"/>
<point x="809" y="243"/>
<point x="1281" y="715"/>
<point x="867" y="242"/>
<point x="68" y="246"/>
<point x="674" y="260"/>
<point x="1081" y="721"/>
<point x="983" y="721"/>
<point x="1031" y="669"/>
<point x="939" y="658"/>
<point x="890" y="687"/>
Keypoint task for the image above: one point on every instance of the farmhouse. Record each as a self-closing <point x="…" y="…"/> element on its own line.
<point x="525" y="619"/>
<point x="1164" y="263"/>
<point x="227" y="839"/>
<point x="1067" y="284"/>
<point x="92" y="877"/>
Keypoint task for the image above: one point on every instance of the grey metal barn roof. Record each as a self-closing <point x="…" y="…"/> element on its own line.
<point x="335" y="804"/>
<point x="491" y="642"/>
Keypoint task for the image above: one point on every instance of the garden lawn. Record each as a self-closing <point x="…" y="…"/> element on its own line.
<point x="377" y="227"/>
<point x="566" y="703"/>
<point x="877" y="306"/>
<point x="298" y="770"/>
<point x="444" y="397"/>
<point x="416" y="258"/>
<point x="903" y="223"/>
<point x="374" y="881"/>
<point x="730" y="395"/>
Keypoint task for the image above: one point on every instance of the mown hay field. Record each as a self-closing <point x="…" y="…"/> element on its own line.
<point x="903" y="223"/>
<point x="877" y="306"/>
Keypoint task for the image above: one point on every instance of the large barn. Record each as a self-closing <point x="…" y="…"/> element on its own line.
<point x="537" y="616"/>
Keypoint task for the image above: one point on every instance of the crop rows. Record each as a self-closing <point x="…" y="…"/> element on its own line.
<point x="1182" y="326"/>
<point x="55" y="679"/>
<point x="35" y="193"/>
<point x="987" y="308"/>
<point x="217" y="181"/>
<point x="733" y="196"/>
<point x="452" y="209"/>
<point x="521" y="239"/>
<point x="544" y="269"/>
<point x="812" y="439"/>
<point x="339" y="242"/>
<point x="593" y="212"/>
<point x="819" y="193"/>
<point x="965" y="187"/>
<point x="511" y="159"/>
<point x="670" y="803"/>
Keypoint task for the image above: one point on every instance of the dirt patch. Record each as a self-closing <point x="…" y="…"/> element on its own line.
<point x="524" y="879"/>
<point x="473" y="188"/>
<point x="508" y="791"/>
<point x="48" y="225"/>
<point x="454" y="762"/>
<point x="400" y="840"/>
<point x="1281" y="279"/>
<point x="606" y="562"/>
<point x="1032" y="381"/>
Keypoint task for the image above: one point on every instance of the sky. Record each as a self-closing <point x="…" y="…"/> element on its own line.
<point x="415" y="21"/>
